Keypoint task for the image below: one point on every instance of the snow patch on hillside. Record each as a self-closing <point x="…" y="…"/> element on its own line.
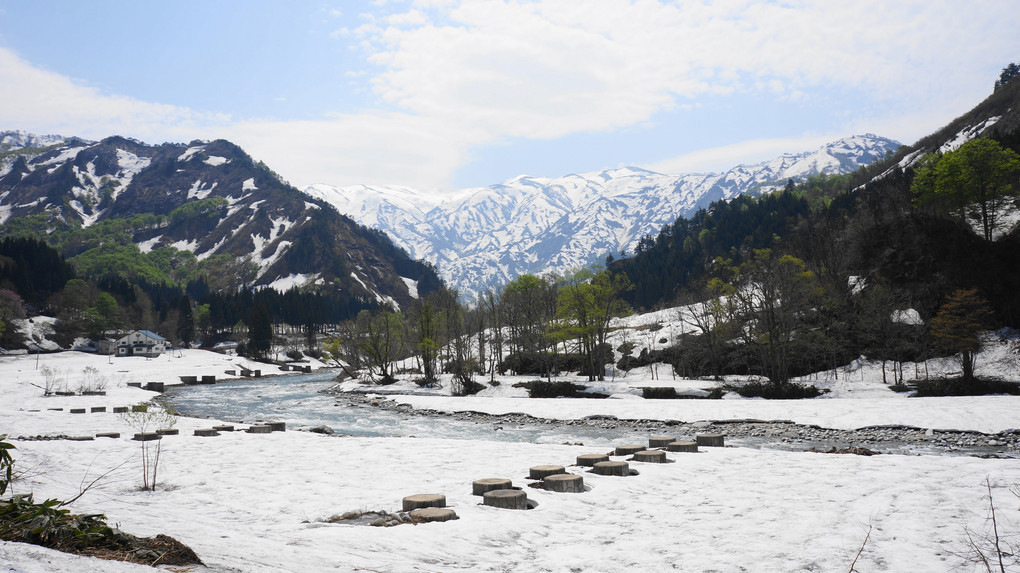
<point x="284" y="284"/>
<point x="412" y="286"/>
<point x="215" y="160"/>
<point x="199" y="190"/>
<point x="190" y="152"/>
<point x="149" y="244"/>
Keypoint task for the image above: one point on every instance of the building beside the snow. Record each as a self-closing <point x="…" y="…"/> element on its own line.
<point x="134" y="343"/>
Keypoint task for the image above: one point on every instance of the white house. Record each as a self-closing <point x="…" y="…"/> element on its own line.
<point x="135" y="343"/>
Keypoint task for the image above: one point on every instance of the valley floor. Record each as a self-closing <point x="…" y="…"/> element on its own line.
<point x="258" y="503"/>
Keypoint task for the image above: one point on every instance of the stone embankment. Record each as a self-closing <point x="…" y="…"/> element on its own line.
<point x="779" y="434"/>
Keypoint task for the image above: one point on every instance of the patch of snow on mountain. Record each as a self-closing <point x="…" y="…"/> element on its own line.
<point x="62" y="157"/>
<point x="412" y="286"/>
<point x="147" y="245"/>
<point x="361" y="282"/>
<point x="130" y="165"/>
<point x="88" y="216"/>
<point x="249" y="185"/>
<point x="186" y="245"/>
<point x="280" y="226"/>
<point x="967" y="134"/>
<point x="284" y="284"/>
<point x="190" y="152"/>
<point x="199" y="191"/>
<point x="215" y="160"/>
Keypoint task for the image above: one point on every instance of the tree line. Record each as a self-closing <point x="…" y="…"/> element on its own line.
<point x="537" y="325"/>
<point x="815" y="275"/>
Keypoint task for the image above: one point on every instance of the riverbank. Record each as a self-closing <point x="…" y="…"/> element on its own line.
<point x="760" y="433"/>
<point x="262" y="503"/>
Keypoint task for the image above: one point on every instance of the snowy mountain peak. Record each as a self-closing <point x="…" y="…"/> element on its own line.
<point x="486" y="236"/>
<point x="17" y="139"/>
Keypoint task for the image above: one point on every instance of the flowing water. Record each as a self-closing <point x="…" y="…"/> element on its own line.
<point x="299" y="401"/>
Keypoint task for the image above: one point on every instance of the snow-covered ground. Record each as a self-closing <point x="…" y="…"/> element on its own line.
<point x="256" y="503"/>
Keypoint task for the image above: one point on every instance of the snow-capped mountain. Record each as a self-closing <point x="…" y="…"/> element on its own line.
<point x="487" y="236"/>
<point x="209" y="198"/>
<point x="20" y="139"/>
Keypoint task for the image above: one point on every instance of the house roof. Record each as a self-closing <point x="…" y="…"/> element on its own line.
<point x="151" y="334"/>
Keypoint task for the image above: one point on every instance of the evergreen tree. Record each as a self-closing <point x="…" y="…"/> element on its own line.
<point x="1009" y="73"/>
<point x="957" y="326"/>
<point x="260" y="332"/>
<point x="185" y="321"/>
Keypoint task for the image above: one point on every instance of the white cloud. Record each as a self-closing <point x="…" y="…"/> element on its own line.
<point x="550" y="68"/>
<point x="753" y="151"/>
<point x="451" y="76"/>
<point x="42" y="101"/>
<point x="369" y="148"/>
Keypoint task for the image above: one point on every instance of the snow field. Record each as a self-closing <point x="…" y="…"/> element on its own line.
<point x="255" y="503"/>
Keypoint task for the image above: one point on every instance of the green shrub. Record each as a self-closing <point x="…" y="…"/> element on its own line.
<point x="667" y="393"/>
<point x="6" y="463"/>
<point x="769" y="391"/>
<point x="960" y="387"/>
<point x="557" y="389"/>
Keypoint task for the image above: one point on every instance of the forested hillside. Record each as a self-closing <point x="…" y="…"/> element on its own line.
<point x="174" y="214"/>
<point x="836" y="259"/>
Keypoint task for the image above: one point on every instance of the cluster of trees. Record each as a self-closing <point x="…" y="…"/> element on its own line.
<point x="535" y="325"/>
<point x="35" y="279"/>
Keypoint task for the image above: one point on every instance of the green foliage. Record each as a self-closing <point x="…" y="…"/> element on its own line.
<point x="588" y="300"/>
<point x="202" y="208"/>
<point x="260" y="332"/>
<point x="1009" y="73"/>
<point x="957" y="327"/>
<point x="973" y="181"/>
<point x="775" y="296"/>
<point x="380" y="340"/>
<point x="6" y="463"/>
<point x="50" y="525"/>
<point x="125" y="261"/>
<point x="659" y="393"/>
<point x="681" y="255"/>
<point x="557" y="389"/>
<point x="772" y="391"/>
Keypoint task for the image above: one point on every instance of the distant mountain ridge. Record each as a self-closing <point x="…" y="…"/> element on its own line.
<point x="488" y="236"/>
<point x="208" y="198"/>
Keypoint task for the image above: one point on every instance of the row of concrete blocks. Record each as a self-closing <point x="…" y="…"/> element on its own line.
<point x="103" y="409"/>
<point x="194" y="380"/>
<point x="265" y="428"/>
<point x="151" y="386"/>
<point x="296" y="368"/>
<point x="93" y="410"/>
<point x="500" y="492"/>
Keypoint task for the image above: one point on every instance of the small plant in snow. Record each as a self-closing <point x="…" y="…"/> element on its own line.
<point x="91" y="381"/>
<point x="51" y="381"/>
<point x="155" y="416"/>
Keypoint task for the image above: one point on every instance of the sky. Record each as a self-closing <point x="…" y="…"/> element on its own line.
<point x="447" y="94"/>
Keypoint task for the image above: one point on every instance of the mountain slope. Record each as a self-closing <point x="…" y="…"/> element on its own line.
<point x="867" y="229"/>
<point x="208" y="198"/>
<point x="488" y="236"/>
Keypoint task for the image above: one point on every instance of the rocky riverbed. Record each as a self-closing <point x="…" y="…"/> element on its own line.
<point x="765" y="434"/>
